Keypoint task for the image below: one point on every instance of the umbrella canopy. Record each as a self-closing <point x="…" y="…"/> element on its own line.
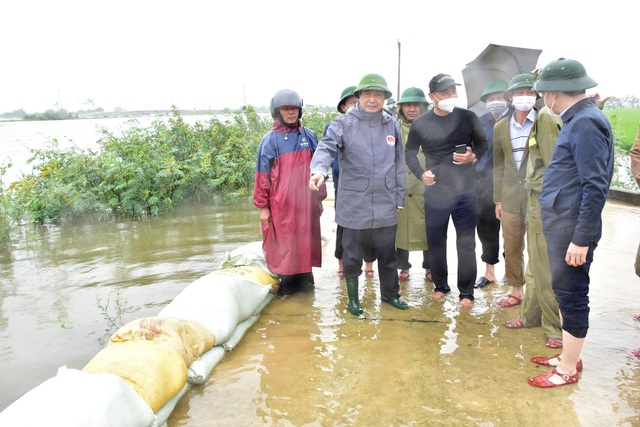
<point x="496" y="62"/>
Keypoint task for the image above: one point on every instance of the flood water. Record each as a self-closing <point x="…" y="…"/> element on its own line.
<point x="307" y="361"/>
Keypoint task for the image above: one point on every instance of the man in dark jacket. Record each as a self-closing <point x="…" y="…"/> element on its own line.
<point x="452" y="140"/>
<point x="574" y="192"/>
<point x="488" y="226"/>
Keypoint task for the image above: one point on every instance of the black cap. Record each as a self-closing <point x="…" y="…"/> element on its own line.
<point x="441" y="82"/>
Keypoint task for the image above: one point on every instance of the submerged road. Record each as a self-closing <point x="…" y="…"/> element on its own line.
<point x="308" y="362"/>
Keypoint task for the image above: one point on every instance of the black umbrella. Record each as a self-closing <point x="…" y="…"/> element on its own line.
<point x="496" y="62"/>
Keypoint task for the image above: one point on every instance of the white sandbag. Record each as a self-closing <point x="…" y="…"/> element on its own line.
<point x="263" y="304"/>
<point x="249" y="254"/>
<point x="74" y="398"/>
<point x="200" y="369"/>
<point x="163" y="413"/>
<point x="218" y="302"/>
<point x="238" y="333"/>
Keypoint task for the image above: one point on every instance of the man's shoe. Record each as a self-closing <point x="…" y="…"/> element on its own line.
<point x="398" y="303"/>
<point x="482" y="282"/>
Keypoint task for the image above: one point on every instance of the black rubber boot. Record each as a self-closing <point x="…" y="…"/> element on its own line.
<point x="352" y="292"/>
<point x="287" y="285"/>
<point x="398" y="303"/>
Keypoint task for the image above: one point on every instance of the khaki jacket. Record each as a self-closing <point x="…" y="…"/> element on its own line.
<point x="508" y="181"/>
<point x="412" y="231"/>
<point x="542" y="140"/>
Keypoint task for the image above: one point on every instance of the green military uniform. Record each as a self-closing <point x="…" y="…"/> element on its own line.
<point x="412" y="231"/>
<point x="540" y="307"/>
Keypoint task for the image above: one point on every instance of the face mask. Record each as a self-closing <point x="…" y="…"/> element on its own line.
<point x="449" y="104"/>
<point x="544" y="98"/>
<point x="524" y="103"/>
<point x="497" y="107"/>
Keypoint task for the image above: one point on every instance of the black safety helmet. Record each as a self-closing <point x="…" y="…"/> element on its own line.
<point x="282" y="98"/>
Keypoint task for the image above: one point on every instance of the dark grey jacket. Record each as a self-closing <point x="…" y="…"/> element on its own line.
<point x="372" y="167"/>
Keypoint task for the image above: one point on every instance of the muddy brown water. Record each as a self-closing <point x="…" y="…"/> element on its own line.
<point x="308" y="362"/>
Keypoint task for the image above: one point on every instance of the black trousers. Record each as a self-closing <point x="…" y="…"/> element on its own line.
<point x="369" y="251"/>
<point x="461" y="209"/>
<point x="383" y="241"/>
<point x="488" y="226"/>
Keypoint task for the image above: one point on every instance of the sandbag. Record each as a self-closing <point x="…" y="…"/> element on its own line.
<point x="200" y="369"/>
<point x="77" y="399"/>
<point x="163" y="414"/>
<point x="188" y="337"/>
<point x="239" y="332"/>
<point x="249" y="254"/>
<point x="218" y="302"/>
<point x="250" y="272"/>
<point x="154" y="369"/>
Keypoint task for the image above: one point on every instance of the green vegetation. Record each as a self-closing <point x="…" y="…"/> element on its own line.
<point x="51" y="115"/>
<point x="112" y="310"/>
<point x="146" y="171"/>
<point x="624" y="122"/>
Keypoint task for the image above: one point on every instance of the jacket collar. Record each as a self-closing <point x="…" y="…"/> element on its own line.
<point x="587" y="102"/>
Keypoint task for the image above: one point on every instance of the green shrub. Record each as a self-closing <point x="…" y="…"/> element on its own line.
<point x="144" y="172"/>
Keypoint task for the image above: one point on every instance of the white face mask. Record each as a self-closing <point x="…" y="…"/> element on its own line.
<point x="524" y="103"/>
<point x="544" y="98"/>
<point x="497" y="107"/>
<point x="449" y="104"/>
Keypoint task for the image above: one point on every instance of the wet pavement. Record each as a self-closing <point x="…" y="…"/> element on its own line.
<point x="308" y="362"/>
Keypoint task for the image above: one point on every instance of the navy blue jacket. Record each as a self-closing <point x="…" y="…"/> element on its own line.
<point x="484" y="165"/>
<point x="576" y="182"/>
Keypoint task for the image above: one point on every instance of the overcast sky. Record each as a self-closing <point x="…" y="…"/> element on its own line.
<point x="142" y="54"/>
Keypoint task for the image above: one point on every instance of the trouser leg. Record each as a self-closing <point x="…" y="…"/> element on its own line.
<point x="437" y="211"/>
<point x="464" y="219"/>
<point x="384" y="239"/>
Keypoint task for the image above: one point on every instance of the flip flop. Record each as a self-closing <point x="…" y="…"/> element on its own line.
<point x="369" y="274"/>
<point x="427" y="273"/>
<point x="404" y="275"/>
<point x="482" y="282"/>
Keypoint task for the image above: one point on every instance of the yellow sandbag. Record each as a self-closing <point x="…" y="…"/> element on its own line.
<point x="250" y="272"/>
<point x="155" y="370"/>
<point x="188" y="337"/>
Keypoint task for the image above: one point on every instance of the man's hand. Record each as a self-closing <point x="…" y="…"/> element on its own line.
<point x="576" y="255"/>
<point x="265" y="216"/>
<point x="463" y="159"/>
<point x="317" y="179"/>
<point x="428" y="178"/>
<point x="499" y="211"/>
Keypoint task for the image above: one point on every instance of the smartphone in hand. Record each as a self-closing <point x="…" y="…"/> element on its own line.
<point x="461" y="149"/>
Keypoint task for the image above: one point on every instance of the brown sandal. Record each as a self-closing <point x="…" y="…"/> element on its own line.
<point x="404" y="275"/>
<point x="505" y="302"/>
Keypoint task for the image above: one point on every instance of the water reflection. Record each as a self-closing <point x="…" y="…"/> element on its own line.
<point x="307" y="361"/>
<point x="53" y="283"/>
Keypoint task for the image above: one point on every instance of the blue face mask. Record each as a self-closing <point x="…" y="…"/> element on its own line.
<point x="497" y="107"/>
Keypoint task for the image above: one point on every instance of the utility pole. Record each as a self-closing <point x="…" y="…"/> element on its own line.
<point x="398" y="95"/>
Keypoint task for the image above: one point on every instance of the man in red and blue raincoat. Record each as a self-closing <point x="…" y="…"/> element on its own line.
<point x="289" y="210"/>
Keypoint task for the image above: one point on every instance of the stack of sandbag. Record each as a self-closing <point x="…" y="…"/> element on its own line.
<point x="152" y="355"/>
<point x="149" y="363"/>
<point x="76" y="399"/>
